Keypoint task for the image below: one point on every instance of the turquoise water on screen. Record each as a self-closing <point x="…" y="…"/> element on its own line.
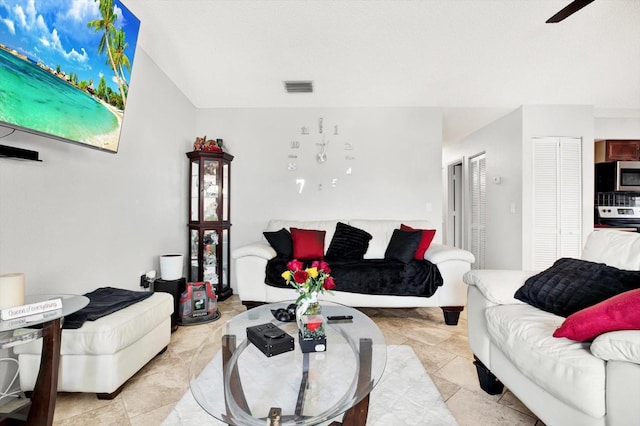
<point x="33" y="98"/>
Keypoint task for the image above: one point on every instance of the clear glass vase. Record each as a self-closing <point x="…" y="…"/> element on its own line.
<point x="309" y="318"/>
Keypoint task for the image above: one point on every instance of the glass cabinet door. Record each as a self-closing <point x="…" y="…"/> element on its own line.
<point x="210" y="255"/>
<point x="211" y="190"/>
<point x="225" y="191"/>
<point x="194" y="264"/>
<point x="194" y="191"/>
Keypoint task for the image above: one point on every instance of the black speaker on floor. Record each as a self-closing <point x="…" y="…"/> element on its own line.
<point x="175" y="288"/>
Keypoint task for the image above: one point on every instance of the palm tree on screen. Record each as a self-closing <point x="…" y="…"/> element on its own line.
<point x="106" y="25"/>
<point x="120" y="59"/>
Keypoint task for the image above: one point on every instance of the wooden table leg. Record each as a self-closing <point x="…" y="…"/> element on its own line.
<point x="304" y="383"/>
<point x="228" y="348"/>
<point x="43" y="402"/>
<point x="357" y="415"/>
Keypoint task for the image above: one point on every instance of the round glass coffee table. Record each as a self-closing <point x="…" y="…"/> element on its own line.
<point x="232" y="380"/>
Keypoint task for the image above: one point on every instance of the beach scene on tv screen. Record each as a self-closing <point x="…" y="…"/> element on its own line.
<point x="65" y="67"/>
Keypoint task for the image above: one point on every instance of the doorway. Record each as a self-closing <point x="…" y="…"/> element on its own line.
<point x="455" y="206"/>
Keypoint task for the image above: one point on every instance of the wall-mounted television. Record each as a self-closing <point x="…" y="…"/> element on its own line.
<point x="65" y="67"/>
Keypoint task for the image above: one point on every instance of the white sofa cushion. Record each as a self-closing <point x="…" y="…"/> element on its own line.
<point x="562" y="367"/>
<point x="618" y="346"/>
<point x="615" y="248"/>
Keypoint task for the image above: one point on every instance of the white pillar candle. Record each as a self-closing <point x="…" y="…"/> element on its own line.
<point x="11" y="290"/>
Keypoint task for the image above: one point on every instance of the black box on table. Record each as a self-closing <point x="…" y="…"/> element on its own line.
<point x="270" y="339"/>
<point x="312" y="344"/>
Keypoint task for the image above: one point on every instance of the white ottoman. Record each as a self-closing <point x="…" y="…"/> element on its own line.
<point x="102" y="355"/>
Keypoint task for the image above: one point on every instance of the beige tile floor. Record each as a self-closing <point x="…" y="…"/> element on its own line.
<point x="151" y="394"/>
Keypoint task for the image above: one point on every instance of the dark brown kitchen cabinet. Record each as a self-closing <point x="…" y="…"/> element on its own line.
<point x="617" y="150"/>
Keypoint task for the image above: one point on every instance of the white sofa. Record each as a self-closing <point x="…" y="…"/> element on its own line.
<point x="251" y="260"/>
<point x="561" y="381"/>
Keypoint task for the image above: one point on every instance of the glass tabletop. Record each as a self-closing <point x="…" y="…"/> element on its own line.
<point x="236" y="383"/>
<point x="70" y="304"/>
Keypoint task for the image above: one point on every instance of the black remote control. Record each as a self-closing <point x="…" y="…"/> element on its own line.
<point x="339" y="317"/>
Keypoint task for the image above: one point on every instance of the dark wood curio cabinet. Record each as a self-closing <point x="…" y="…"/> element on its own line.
<point x="209" y="220"/>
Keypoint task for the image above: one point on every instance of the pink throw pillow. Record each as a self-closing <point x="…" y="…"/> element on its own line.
<point x="425" y="241"/>
<point x="620" y="312"/>
<point x="307" y="243"/>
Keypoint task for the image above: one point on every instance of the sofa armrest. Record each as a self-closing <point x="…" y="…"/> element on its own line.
<point x="498" y="286"/>
<point x="438" y="253"/>
<point x="250" y="263"/>
<point x="618" y="346"/>
<point x="259" y="248"/>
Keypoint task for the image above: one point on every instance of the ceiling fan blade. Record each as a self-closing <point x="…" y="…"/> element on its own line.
<point x="571" y="8"/>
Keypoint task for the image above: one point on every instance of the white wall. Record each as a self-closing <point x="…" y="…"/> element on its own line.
<point x="501" y="142"/>
<point x="617" y="128"/>
<point x="396" y="170"/>
<point x="83" y="218"/>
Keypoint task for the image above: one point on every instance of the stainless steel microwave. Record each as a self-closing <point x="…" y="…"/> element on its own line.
<point x="618" y="176"/>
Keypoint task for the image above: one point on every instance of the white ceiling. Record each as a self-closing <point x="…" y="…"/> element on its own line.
<point x="477" y="59"/>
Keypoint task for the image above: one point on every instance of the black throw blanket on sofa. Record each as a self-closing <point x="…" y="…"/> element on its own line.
<point x="102" y="302"/>
<point x="371" y="276"/>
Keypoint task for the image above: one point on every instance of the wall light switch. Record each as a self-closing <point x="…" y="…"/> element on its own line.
<point x="429" y="207"/>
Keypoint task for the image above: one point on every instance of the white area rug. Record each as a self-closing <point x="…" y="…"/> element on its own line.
<point x="404" y="396"/>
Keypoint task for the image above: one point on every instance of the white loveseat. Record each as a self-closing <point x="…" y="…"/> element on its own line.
<point x="561" y="381"/>
<point x="251" y="261"/>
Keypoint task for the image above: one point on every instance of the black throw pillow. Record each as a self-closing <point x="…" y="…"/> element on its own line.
<point x="281" y="242"/>
<point x="348" y="243"/>
<point x="403" y="245"/>
<point x="570" y="285"/>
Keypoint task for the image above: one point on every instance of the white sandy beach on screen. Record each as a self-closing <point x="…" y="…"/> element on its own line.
<point x="109" y="140"/>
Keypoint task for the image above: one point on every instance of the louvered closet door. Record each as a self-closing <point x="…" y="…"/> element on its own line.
<point x="557" y="200"/>
<point x="478" y="190"/>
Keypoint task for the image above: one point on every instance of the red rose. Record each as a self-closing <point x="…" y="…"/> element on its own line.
<point x="322" y="266"/>
<point x="329" y="284"/>
<point x="300" y="276"/>
<point x="314" y="325"/>
<point x="295" y="265"/>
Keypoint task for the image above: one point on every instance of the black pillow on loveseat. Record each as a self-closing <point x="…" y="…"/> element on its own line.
<point x="348" y="243"/>
<point x="281" y="242"/>
<point x="570" y="285"/>
<point x="403" y="245"/>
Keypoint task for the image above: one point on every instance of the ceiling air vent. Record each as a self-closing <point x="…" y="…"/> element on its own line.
<point x="298" y="86"/>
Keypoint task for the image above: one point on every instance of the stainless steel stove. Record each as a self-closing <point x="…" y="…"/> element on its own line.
<point x="619" y="216"/>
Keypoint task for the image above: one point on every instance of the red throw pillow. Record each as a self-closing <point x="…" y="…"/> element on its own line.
<point x="307" y="243"/>
<point x="425" y="242"/>
<point x="620" y="312"/>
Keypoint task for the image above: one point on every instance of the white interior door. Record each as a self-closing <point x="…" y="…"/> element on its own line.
<point x="478" y="213"/>
<point x="557" y="200"/>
